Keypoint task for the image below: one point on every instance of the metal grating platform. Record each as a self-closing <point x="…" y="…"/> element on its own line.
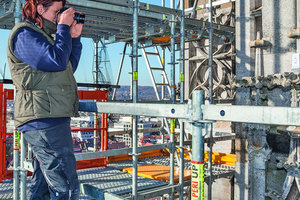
<point x="105" y="179"/>
<point x="112" y="180"/>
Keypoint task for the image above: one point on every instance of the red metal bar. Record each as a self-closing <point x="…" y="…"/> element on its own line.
<point x="104" y="125"/>
<point x="2" y="140"/>
<point x="86" y="129"/>
<point x="104" y="132"/>
<point x="93" y="94"/>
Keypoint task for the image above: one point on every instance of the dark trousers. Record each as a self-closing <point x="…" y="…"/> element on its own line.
<point x="54" y="164"/>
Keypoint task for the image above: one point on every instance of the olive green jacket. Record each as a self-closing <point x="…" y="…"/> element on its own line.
<point x="40" y="94"/>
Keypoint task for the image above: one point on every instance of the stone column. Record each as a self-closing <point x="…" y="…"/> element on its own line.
<point x="258" y="154"/>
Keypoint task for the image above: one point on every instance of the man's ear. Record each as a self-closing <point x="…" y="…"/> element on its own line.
<point x="40" y="9"/>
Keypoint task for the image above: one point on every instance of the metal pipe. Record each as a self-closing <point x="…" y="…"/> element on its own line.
<point x="135" y="96"/>
<point x="173" y="86"/>
<point x="182" y="66"/>
<point x="163" y="87"/>
<point x="210" y="145"/>
<point x="194" y="9"/>
<point x="18" y="11"/>
<point x="96" y="56"/>
<point x="210" y="96"/>
<point x="95" y="131"/>
<point x="298" y="24"/>
<point x="23" y="172"/>
<point x="96" y="81"/>
<point x="163" y="53"/>
<point x="210" y="62"/>
<point x="172" y="68"/>
<point x="119" y="72"/>
<point x="16" y="158"/>
<point x="197" y="183"/>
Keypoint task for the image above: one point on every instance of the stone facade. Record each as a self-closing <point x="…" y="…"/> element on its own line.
<point x="255" y="69"/>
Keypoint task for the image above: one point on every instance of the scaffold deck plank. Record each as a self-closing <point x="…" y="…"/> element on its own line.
<point x="158" y="172"/>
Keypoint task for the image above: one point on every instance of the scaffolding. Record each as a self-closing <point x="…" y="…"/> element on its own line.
<point x="144" y="25"/>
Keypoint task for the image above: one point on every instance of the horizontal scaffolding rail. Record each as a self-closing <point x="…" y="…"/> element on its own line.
<point x="246" y="114"/>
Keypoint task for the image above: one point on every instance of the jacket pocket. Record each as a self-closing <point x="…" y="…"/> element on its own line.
<point x="41" y="104"/>
<point x="62" y="99"/>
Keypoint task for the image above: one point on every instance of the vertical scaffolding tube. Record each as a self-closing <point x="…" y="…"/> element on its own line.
<point x="96" y="81"/>
<point x="210" y="61"/>
<point x="173" y="86"/>
<point x="95" y="131"/>
<point x="163" y="53"/>
<point x="172" y="23"/>
<point x="182" y="66"/>
<point x="16" y="158"/>
<point x="210" y="97"/>
<point x="23" y="172"/>
<point x="96" y="56"/>
<point x="163" y="59"/>
<point x="16" y="165"/>
<point x="197" y="184"/>
<point x="135" y="95"/>
<point x="18" y="12"/>
<point x="298" y="24"/>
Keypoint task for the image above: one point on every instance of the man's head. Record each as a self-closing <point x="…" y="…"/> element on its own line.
<point x="34" y="10"/>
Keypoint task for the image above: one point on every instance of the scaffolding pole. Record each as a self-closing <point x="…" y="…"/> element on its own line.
<point x="182" y="65"/>
<point x="173" y="96"/>
<point x="18" y="11"/>
<point x="16" y="165"/>
<point x="163" y="54"/>
<point x="198" y="128"/>
<point x="210" y="64"/>
<point x="96" y="81"/>
<point x="135" y="96"/>
<point x="16" y="158"/>
<point x="23" y="171"/>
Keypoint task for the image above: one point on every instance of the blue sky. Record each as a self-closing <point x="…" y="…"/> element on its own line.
<point x="84" y="72"/>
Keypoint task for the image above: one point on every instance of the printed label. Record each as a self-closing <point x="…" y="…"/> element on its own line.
<point x="197" y="181"/>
